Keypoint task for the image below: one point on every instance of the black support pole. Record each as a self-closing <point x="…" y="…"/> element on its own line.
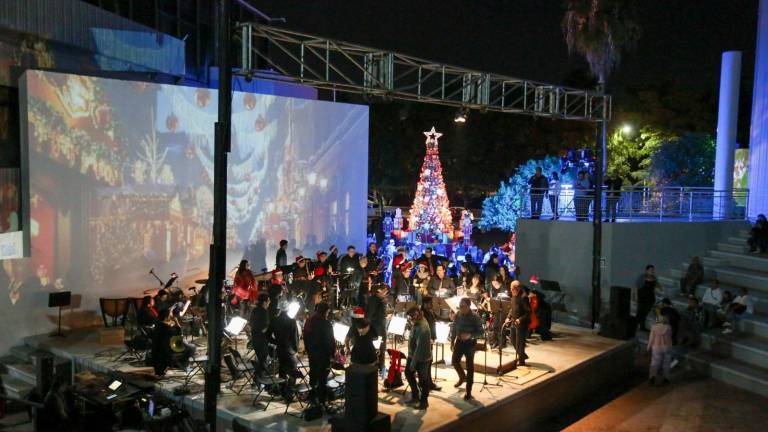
<point x="600" y="130"/>
<point x="218" y="250"/>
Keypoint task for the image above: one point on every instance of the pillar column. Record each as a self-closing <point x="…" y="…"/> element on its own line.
<point x="758" y="137"/>
<point x="727" y="119"/>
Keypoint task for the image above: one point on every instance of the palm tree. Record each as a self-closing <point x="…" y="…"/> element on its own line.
<point x="599" y="30"/>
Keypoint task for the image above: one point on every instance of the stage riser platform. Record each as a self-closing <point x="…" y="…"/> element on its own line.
<point x="530" y="407"/>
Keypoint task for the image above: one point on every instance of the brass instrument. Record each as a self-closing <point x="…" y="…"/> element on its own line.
<point x="177" y="344"/>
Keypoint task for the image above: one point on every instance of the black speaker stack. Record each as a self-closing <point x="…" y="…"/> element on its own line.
<point x="618" y="323"/>
<point x="361" y="404"/>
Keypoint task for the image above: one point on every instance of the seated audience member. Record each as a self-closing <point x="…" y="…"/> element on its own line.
<point x="725" y="305"/>
<point x="711" y="300"/>
<point x="758" y="235"/>
<point x="691" y="323"/>
<point x="740" y="305"/>
<point x="694" y="275"/>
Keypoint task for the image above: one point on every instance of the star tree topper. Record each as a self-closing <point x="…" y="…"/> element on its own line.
<point x="432" y="137"/>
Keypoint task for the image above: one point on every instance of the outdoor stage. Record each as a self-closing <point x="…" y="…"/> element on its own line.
<point x="561" y="373"/>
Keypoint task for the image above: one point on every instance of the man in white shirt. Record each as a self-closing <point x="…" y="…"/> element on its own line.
<point x="711" y="300"/>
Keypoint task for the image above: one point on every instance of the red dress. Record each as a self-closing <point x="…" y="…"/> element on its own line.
<point x="245" y="286"/>
<point x="534" y="300"/>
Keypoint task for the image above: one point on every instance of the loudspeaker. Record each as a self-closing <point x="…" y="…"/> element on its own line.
<point x="617" y="327"/>
<point x="44" y="373"/>
<point x="620" y="301"/>
<point x="59" y="299"/>
<point x="361" y="403"/>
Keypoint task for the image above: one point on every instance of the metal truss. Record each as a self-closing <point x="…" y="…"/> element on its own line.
<point x="341" y="66"/>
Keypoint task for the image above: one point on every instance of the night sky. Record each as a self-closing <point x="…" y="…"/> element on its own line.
<point x="682" y="40"/>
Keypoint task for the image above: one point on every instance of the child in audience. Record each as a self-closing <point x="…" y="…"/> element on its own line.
<point x="660" y="346"/>
<point x="740" y="306"/>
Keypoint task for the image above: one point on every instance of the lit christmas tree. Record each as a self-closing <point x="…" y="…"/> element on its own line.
<point x="430" y="216"/>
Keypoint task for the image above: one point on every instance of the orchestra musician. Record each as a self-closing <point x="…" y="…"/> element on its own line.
<point x="301" y="277"/>
<point x="351" y="274"/>
<point x="374" y="261"/>
<point x="244" y="287"/>
<point x="475" y="288"/>
<point x="376" y="312"/>
<point x="467" y="327"/>
<point x="163" y="356"/>
<point x="320" y="346"/>
<point x="259" y="322"/>
<point x="281" y="257"/>
<point x="428" y="312"/>
<point x="275" y="290"/>
<point x="148" y="315"/>
<point x="401" y="269"/>
<point x="362" y="280"/>
<point x="519" y="317"/>
<point x="431" y="260"/>
<point x="420" y="282"/>
<point x="441" y="285"/>
<point x="162" y="301"/>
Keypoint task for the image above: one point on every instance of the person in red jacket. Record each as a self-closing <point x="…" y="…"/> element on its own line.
<point x="244" y="288"/>
<point x="533" y="299"/>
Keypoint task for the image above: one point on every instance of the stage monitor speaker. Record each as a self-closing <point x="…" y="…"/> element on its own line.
<point x="59" y="299"/>
<point x="616" y="327"/>
<point x="549" y="285"/>
<point x="621" y="298"/>
<point x="361" y="402"/>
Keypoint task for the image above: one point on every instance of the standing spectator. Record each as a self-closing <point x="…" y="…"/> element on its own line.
<point x="419" y="359"/>
<point x="538" y="188"/>
<point x="660" y="346"/>
<point x="612" y="195"/>
<point x="582" y="196"/>
<point x="645" y="294"/>
<point x="694" y="275"/>
<point x="758" y="235"/>
<point x="554" y="194"/>
<point x="673" y="316"/>
<point x="711" y="301"/>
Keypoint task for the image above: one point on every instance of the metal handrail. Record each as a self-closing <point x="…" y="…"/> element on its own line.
<point x="645" y="202"/>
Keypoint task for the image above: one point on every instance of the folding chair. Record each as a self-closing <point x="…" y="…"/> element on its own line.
<point x="236" y="374"/>
<point x="196" y="366"/>
<point x="268" y="380"/>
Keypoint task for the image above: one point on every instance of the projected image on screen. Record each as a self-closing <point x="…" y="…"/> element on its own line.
<point x="121" y="180"/>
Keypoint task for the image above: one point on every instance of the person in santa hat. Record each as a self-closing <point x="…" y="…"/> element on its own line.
<point x="357" y="314"/>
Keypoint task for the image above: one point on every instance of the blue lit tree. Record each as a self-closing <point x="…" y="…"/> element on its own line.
<point x="502" y="209"/>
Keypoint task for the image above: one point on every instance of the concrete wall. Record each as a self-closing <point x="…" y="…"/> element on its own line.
<point x="562" y="251"/>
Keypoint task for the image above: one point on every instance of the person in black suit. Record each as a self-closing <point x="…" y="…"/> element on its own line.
<point x="320" y="346"/>
<point x="518" y="318"/>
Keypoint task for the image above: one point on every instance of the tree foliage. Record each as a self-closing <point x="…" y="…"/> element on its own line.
<point x="629" y="154"/>
<point x="688" y="160"/>
<point x="502" y="209"/>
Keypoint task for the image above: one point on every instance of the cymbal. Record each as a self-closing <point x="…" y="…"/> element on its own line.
<point x="201" y="281"/>
<point x="151" y="292"/>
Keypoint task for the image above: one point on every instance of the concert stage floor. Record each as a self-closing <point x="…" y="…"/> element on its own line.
<point x="561" y="373"/>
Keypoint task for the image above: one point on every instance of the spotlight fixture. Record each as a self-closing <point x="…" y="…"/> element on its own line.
<point x="461" y="116"/>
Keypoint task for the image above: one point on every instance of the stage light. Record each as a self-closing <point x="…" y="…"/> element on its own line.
<point x="340" y="332"/>
<point x="312" y="178"/>
<point x="443" y="329"/>
<point x="626" y="129"/>
<point x="397" y="325"/>
<point x="461" y="116"/>
<point x="235" y="326"/>
<point x="293" y="309"/>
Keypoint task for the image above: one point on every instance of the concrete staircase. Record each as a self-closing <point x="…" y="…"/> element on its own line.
<point x="739" y="358"/>
<point x="17" y="375"/>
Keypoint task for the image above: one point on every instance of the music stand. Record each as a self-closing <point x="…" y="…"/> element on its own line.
<point x="442" y="330"/>
<point x="59" y="300"/>
<point x="396" y="327"/>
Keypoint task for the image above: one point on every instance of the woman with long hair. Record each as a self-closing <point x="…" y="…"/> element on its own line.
<point x="244" y="288"/>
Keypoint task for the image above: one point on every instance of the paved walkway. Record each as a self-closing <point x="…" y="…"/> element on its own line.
<point x="690" y="403"/>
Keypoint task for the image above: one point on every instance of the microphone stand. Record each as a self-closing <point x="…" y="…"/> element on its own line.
<point x="152" y="272"/>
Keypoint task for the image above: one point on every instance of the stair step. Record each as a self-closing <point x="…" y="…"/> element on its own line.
<point x="728" y="247"/>
<point x="22" y="371"/>
<point x="742" y="260"/>
<point x="24" y="353"/>
<point x="745" y="348"/>
<point x="15" y="387"/>
<point x="730" y="371"/>
<point x="752" y="279"/>
<point x="737" y="240"/>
